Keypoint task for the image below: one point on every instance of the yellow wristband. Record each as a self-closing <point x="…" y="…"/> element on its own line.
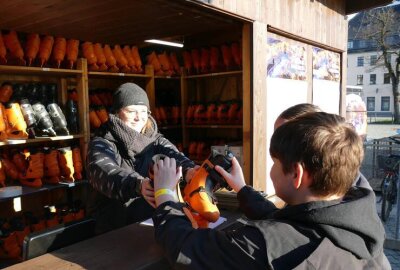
<point x="164" y="191"/>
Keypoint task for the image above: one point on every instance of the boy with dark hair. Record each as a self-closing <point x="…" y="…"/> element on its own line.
<point x="327" y="224"/>
<point x="294" y="112"/>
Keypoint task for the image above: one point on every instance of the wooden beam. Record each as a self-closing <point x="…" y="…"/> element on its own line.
<point x="259" y="108"/>
<point x="302" y="39"/>
<point x="247" y="98"/>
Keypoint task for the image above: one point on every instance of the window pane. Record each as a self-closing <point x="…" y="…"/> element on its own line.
<point x="386" y="78"/>
<point x="350" y="45"/>
<point x="370" y="103"/>
<point x="359" y="79"/>
<point x="372" y="79"/>
<point x="385" y="104"/>
<point x="360" y="61"/>
<point x="373" y="59"/>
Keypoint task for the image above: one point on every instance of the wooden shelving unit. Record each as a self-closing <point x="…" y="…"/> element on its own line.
<point x="62" y="78"/>
<point x="201" y="92"/>
<point x="214" y="126"/>
<point x="82" y="78"/>
<point x="42" y="140"/>
<point x="169" y="127"/>
<point x="94" y="74"/>
<point x="45" y="71"/>
<point x="11" y="192"/>
<point x="167" y="77"/>
<point x="219" y="74"/>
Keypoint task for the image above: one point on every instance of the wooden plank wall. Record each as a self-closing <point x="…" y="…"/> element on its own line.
<point x="320" y="21"/>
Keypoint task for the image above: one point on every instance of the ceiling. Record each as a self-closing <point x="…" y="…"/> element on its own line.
<point x="113" y="22"/>
<point x="126" y="21"/>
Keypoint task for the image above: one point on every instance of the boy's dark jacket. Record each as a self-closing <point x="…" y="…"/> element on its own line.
<point x="118" y="159"/>
<point x="336" y="234"/>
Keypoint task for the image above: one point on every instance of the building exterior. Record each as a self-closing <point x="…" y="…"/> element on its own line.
<point x="375" y="81"/>
<point x="363" y="71"/>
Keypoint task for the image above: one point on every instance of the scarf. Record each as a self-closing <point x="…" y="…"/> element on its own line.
<point x="129" y="141"/>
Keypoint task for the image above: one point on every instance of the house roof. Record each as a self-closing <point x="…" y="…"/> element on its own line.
<point x="355" y="22"/>
<point x="360" y="43"/>
<point x="357" y="6"/>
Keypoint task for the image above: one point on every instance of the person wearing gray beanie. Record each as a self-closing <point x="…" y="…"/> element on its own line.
<point x="119" y="158"/>
<point x="131" y="105"/>
<point x="129" y="94"/>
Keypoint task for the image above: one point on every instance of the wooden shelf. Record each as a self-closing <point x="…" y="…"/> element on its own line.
<point x="11" y="192"/>
<point x="167" y="77"/>
<point x="219" y="74"/>
<point x="169" y="127"/>
<point x="59" y="72"/>
<point x="116" y="75"/>
<point x="214" y="126"/>
<point x="40" y="140"/>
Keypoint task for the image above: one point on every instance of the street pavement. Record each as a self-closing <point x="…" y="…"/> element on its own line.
<point x="379" y="131"/>
<point x="393" y="254"/>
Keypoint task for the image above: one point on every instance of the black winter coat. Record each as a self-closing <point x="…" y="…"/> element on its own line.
<point x="339" y="234"/>
<point x="118" y="159"/>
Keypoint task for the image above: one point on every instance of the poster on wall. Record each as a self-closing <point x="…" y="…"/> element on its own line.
<point x="286" y="81"/>
<point x="326" y="80"/>
<point x="286" y="74"/>
<point x="356" y="114"/>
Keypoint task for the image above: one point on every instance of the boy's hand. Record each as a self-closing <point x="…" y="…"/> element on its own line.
<point x="148" y="192"/>
<point x="166" y="177"/>
<point x="190" y="173"/>
<point x="234" y="179"/>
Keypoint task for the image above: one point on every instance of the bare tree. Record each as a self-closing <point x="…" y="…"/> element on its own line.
<point x="380" y="27"/>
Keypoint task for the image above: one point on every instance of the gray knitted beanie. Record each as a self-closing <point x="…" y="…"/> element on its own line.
<point x="129" y="94"/>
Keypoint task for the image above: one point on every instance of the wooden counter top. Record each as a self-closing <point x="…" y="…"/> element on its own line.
<point x="131" y="247"/>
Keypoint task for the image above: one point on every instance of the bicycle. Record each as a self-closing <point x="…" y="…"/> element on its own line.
<point x="390" y="165"/>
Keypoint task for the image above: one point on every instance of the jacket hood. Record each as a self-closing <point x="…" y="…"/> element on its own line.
<point x="351" y="223"/>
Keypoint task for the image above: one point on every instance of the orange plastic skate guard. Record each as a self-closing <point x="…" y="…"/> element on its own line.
<point x="195" y="195"/>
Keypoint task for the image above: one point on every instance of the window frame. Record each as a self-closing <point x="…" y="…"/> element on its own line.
<point x="371" y="100"/>
<point x="360" y="82"/>
<point x="360" y="61"/>
<point x="385" y="100"/>
<point x="374" y="61"/>
<point x="385" y="77"/>
<point x="372" y="79"/>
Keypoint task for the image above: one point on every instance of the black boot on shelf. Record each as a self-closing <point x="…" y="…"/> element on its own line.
<point x="29" y="116"/>
<point x="71" y="113"/>
<point x="45" y="125"/>
<point x="19" y="92"/>
<point x="58" y="119"/>
<point x="52" y="94"/>
<point x="32" y="92"/>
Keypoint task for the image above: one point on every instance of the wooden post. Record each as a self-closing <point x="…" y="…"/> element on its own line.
<point x="184" y="107"/>
<point x="150" y="87"/>
<point x="83" y="105"/>
<point x="247" y="111"/>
